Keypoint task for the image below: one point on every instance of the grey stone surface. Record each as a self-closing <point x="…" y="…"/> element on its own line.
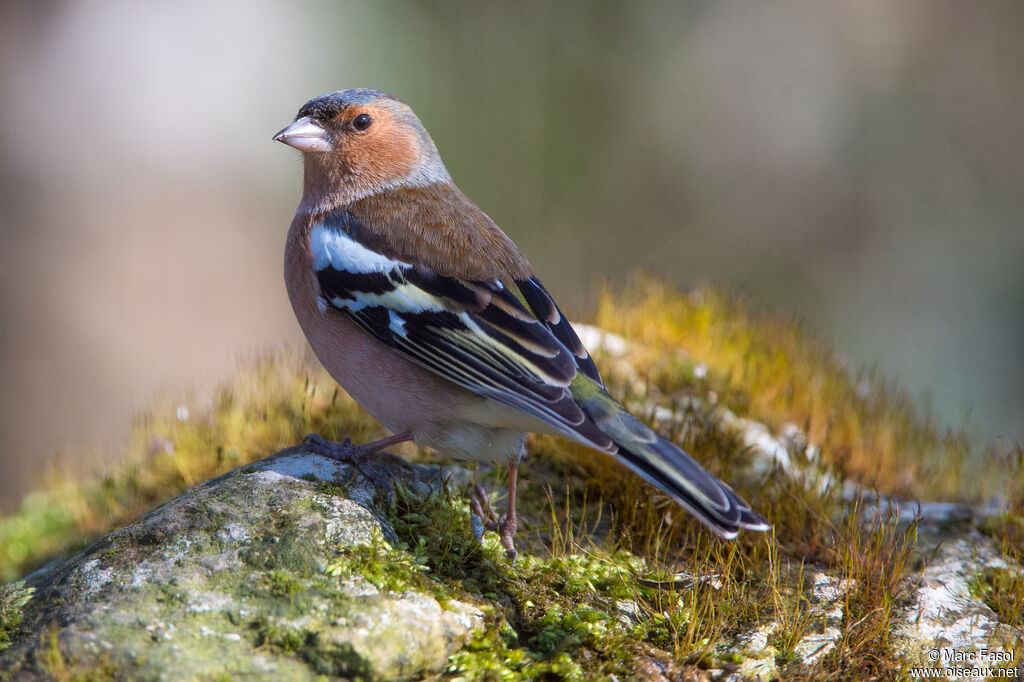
<point x="232" y="579"/>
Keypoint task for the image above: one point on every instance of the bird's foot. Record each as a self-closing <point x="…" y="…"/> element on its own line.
<point x="481" y="507"/>
<point x="485" y="519"/>
<point x="349" y="453"/>
<point x="507" y="533"/>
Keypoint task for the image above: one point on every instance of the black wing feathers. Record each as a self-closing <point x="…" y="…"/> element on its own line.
<point x="547" y="311"/>
<point x="478" y="335"/>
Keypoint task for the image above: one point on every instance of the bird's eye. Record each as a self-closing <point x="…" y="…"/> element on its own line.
<point x="362" y="122"/>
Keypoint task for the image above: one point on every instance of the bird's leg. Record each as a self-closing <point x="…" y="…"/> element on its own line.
<point x="506" y="526"/>
<point x="346" y="451"/>
<point x="481" y="507"/>
<point x="509" y="523"/>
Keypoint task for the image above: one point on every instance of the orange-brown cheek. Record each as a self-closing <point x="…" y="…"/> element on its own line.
<point x="384" y="153"/>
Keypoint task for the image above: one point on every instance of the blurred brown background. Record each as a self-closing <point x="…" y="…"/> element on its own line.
<point x="859" y="164"/>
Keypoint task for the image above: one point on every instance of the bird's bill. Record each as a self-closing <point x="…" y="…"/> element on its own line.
<point x="306" y="136"/>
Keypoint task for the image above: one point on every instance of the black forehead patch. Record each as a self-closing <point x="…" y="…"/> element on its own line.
<point x="326" y="107"/>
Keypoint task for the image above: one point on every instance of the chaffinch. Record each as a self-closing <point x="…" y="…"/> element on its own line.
<point x="430" y="317"/>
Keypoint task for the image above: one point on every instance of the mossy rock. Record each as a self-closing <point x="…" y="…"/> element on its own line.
<point x="295" y="567"/>
<point x="231" y="580"/>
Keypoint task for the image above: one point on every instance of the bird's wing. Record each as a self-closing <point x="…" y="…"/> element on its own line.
<point x="546" y="310"/>
<point x="477" y="334"/>
<point x="510" y="346"/>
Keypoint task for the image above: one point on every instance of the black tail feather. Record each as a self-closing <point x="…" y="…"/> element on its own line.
<point x="669" y="468"/>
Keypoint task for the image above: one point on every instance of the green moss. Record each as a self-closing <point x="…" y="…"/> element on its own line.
<point x="546" y="614"/>
<point x="323" y="656"/>
<point x="387" y="569"/>
<point x="283" y="548"/>
<point x="589" y="604"/>
<point x="435" y="529"/>
<point x="284" y="584"/>
<point x="13" y="599"/>
<point x="489" y="655"/>
<point x="332" y="488"/>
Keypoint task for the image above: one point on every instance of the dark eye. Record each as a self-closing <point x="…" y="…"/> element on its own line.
<point x="362" y="122"/>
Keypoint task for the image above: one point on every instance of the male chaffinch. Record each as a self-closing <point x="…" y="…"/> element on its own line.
<point x="430" y="317"/>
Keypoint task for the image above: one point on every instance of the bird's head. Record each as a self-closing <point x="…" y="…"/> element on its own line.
<point x="359" y="142"/>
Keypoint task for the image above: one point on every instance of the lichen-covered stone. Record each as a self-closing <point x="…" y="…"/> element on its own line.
<point x="945" y="615"/>
<point x="231" y="579"/>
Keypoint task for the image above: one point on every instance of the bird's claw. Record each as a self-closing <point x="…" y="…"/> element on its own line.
<point x="481" y="507"/>
<point x="507" y="534"/>
<point x="356" y="455"/>
<point x="483" y="519"/>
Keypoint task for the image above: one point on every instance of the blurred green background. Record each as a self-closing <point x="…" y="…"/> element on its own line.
<point x="859" y="165"/>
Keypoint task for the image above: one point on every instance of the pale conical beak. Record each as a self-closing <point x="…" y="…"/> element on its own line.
<point x="306" y="135"/>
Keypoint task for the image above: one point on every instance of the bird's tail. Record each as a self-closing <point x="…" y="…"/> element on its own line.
<point x="666" y="465"/>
